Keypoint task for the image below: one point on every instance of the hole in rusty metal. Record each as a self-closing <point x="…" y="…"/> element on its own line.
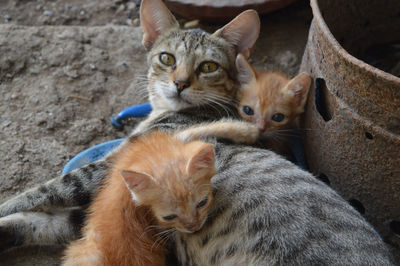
<point x="366" y="23"/>
<point x="322" y="99"/>
<point x="368" y="135"/>
<point x="324" y="179"/>
<point x="394" y="125"/>
<point x="395" y="227"/>
<point x="357" y="205"/>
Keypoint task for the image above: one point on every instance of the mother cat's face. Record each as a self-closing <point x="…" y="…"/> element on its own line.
<point x="192" y="67"/>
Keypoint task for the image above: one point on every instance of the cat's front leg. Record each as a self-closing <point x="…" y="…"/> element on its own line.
<point x="39" y="228"/>
<point x="72" y="189"/>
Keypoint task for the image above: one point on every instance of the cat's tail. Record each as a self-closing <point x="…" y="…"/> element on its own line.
<point x="233" y="130"/>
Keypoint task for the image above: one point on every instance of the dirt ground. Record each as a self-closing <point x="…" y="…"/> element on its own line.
<point x="67" y="66"/>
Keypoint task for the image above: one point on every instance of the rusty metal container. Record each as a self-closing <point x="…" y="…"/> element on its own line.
<point x="222" y="10"/>
<point x="352" y="121"/>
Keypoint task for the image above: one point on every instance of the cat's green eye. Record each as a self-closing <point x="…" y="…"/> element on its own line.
<point x="208" y="67"/>
<point x="247" y="110"/>
<point x="202" y="203"/>
<point x="170" y="217"/>
<point x="167" y="59"/>
<point x="278" y="117"/>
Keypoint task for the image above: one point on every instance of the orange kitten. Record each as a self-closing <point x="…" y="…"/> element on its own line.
<point x="156" y="183"/>
<point x="271" y="101"/>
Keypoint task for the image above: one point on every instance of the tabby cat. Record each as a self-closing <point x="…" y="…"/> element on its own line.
<point x="187" y="68"/>
<point x="266" y="210"/>
<point x="156" y="183"/>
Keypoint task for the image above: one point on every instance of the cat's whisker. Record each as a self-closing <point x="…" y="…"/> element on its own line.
<point x="162" y="238"/>
<point x="118" y="81"/>
<point x="153" y="227"/>
<point x="212" y="106"/>
<point x="220" y="98"/>
<point x="213" y="101"/>
<point x="141" y="82"/>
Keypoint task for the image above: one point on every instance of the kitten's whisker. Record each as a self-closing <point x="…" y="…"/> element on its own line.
<point x="152" y="227"/>
<point x="162" y="237"/>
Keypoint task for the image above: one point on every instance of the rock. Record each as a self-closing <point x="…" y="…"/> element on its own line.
<point x="7" y="18"/>
<point x="131" y="6"/>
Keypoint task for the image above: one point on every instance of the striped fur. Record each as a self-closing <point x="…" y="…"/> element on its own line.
<point x="266" y="210"/>
<point x="211" y="90"/>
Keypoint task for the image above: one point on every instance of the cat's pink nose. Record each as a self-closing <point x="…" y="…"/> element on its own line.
<point x="181" y="85"/>
<point x="261" y="125"/>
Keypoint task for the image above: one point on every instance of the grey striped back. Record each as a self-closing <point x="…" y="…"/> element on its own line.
<point x="268" y="211"/>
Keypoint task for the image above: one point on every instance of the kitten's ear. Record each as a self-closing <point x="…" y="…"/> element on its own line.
<point x="136" y="181"/>
<point x="242" y="31"/>
<point x="245" y="71"/>
<point x="203" y="157"/>
<point x="155" y="18"/>
<point x="298" y="88"/>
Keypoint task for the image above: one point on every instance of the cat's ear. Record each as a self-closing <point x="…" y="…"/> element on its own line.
<point x="298" y="89"/>
<point x="242" y="31"/>
<point x="155" y="18"/>
<point x="203" y="158"/>
<point x="136" y="181"/>
<point x="245" y="71"/>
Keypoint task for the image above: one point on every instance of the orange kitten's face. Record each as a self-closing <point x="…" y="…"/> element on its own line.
<point x="265" y="103"/>
<point x="174" y="181"/>
<point x="186" y="211"/>
<point x="270" y="100"/>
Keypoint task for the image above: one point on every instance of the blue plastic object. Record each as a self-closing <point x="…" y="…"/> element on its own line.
<point x="90" y="155"/>
<point x="134" y="111"/>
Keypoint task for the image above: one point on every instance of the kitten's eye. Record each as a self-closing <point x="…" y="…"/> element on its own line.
<point x="167" y="59"/>
<point x="170" y="217"/>
<point x="247" y="110"/>
<point x="208" y="67"/>
<point x="278" y="117"/>
<point x="202" y="203"/>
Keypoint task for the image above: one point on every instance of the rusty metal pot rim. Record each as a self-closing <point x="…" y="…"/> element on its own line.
<point x="342" y="52"/>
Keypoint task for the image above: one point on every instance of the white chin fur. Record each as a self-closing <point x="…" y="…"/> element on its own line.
<point x="168" y="93"/>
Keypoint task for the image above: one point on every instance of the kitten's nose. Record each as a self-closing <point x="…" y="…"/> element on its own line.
<point x="181" y="85"/>
<point x="261" y="125"/>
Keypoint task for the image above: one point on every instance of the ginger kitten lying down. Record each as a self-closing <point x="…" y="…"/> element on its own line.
<point x="156" y="184"/>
